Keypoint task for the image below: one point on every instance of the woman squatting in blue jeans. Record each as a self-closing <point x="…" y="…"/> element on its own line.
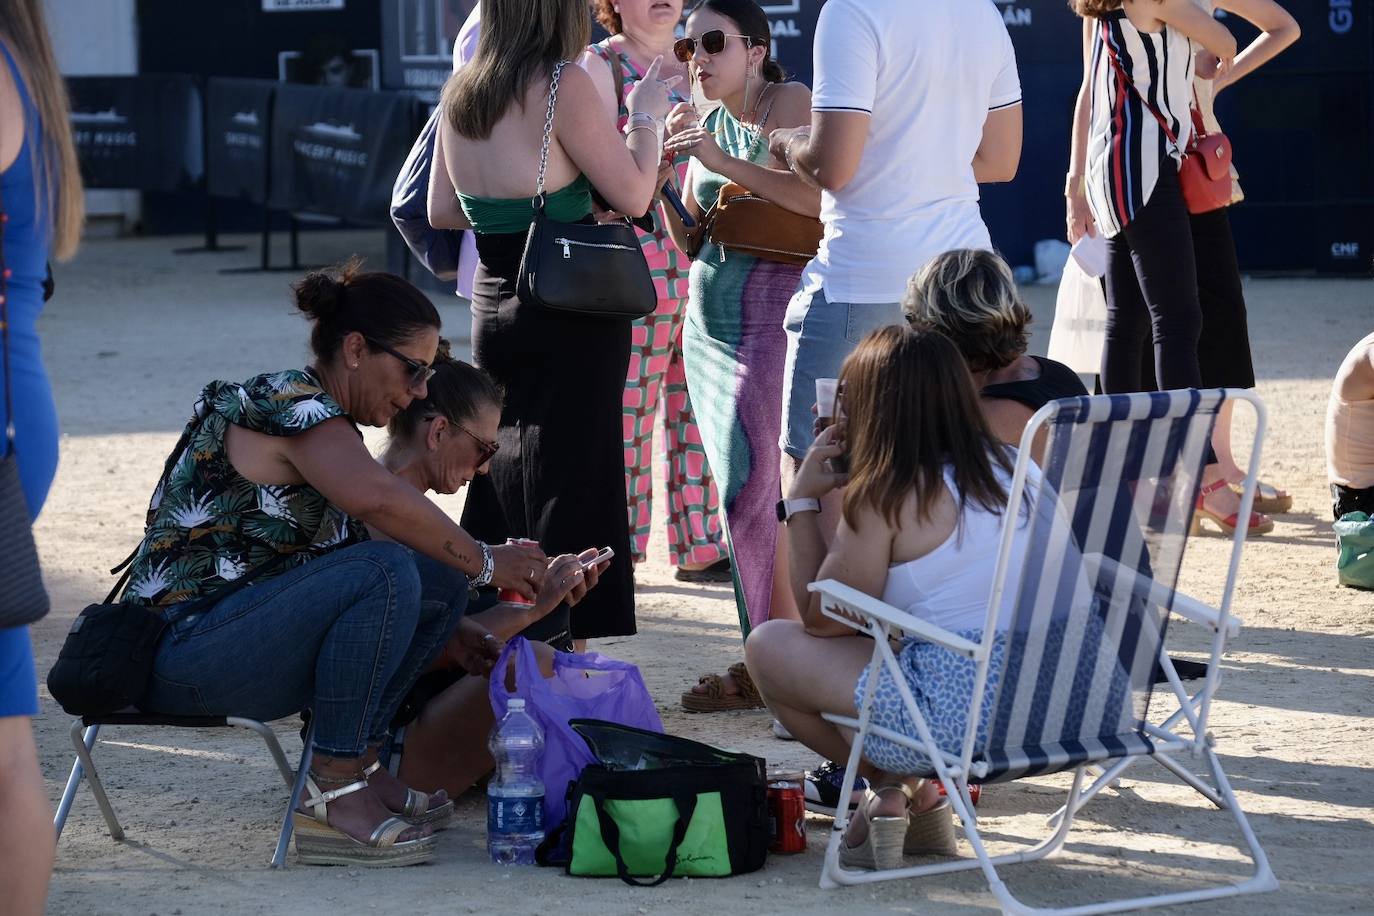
<point x="275" y="482"/>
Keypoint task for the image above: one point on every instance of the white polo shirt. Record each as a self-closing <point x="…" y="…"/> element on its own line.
<point x="928" y="72"/>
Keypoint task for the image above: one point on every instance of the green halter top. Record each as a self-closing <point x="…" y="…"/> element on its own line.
<point x="498" y="215"/>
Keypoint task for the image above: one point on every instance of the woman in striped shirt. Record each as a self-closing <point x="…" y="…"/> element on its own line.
<point x="1130" y="128"/>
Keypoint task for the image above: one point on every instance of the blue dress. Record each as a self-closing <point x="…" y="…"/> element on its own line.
<point x="27" y="234"/>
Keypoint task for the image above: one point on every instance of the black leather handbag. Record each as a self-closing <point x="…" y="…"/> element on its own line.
<point x="23" y="599"/>
<point x="591" y="269"/>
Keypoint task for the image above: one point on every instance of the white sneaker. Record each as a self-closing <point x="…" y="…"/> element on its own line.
<point x="780" y="731"/>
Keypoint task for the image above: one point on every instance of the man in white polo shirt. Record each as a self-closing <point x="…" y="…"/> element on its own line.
<point x="914" y="105"/>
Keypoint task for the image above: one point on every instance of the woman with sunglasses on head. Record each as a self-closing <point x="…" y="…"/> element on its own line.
<point x="733" y="340"/>
<point x="440" y="443"/>
<point x="656" y="386"/>
<point x="272" y="487"/>
<point x="559" y="477"/>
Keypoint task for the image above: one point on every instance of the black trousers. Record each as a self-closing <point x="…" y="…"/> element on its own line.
<point x="559" y="477"/>
<point x="1152" y="294"/>
<point x="1223" y="348"/>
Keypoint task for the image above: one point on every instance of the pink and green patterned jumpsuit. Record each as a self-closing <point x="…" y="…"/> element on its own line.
<point x="656" y="387"/>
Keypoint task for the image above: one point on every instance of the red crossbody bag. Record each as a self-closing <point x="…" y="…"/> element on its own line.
<point x="1204" y="174"/>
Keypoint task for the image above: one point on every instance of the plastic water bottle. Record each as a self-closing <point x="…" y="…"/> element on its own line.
<point x="515" y="795"/>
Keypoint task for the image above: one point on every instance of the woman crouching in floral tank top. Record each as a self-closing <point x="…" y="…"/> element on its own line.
<point x="273" y="481"/>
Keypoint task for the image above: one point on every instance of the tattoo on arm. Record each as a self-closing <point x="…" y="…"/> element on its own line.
<point x="456" y="554"/>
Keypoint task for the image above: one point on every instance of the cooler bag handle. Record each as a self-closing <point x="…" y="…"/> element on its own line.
<point x="610" y="835"/>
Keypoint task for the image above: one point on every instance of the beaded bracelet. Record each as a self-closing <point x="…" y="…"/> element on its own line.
<point x="483" y="578"/>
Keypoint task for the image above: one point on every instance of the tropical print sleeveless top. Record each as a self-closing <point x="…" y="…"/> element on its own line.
<point x="208" y="525"/>
<point x="1134" y="75"/>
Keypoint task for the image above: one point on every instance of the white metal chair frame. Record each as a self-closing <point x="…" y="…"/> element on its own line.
<point x="882" y="621"/>
<point x="85" y="731"/>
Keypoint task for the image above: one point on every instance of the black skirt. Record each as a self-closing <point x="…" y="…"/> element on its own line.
<point x="559" y="477"/>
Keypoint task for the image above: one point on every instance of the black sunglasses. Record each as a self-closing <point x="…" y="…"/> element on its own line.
<point x="419" y="372"/>
<point x="712" y="42"/>
<point x="487" y="450"/>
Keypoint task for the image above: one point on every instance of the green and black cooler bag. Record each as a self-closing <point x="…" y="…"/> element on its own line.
<point x="657" y="807"/>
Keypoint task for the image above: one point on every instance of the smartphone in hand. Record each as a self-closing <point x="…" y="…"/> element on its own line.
<point x="605" y="554"/>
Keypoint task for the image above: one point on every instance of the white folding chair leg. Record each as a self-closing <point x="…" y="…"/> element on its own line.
<point x="64" y="806"/>
<point x="1191" y="778"/>
<point x="297" y="789"/>
<point x="83" y="743"/>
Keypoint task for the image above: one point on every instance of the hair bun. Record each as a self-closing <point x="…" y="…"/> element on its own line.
<point x="445" y="351"/>
<point x="319" y="294"/>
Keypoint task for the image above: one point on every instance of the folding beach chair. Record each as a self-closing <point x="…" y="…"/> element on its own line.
<point x="85" y="731"/>
<point x="1081" y="630"/>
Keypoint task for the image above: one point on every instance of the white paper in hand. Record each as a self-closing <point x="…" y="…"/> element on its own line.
<point x="1090" y="252"/>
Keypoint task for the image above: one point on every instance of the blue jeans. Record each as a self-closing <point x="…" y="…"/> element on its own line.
<point x="820" y="334"/>
<point x="346" y="635"/>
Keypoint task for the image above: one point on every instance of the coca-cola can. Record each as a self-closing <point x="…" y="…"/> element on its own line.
<point x="787" y="816"/>
<point x="510" y="595"/>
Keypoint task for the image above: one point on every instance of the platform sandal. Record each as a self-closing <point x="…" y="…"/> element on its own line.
<point x="317" y="843"/>
<point x="1259" y="523"/>
<point x="417" y="811"/>
<point x="883" y="843"/>
<point x="715" y="699"/>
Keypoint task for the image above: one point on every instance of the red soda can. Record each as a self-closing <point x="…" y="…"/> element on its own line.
<point x="974" y="791"/>
<point x="510" y="595"/>
<point x="787" y="816"/>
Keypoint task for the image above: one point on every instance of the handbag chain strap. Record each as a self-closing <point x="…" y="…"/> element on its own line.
<point x="538" y="200"/>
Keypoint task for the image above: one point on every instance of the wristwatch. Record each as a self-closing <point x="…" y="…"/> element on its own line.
<point x="790" y="507"/>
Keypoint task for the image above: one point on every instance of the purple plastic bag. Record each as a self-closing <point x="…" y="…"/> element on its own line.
<point x="583" y="686"/>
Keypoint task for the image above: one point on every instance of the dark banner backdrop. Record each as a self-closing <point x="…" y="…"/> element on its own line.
<point x="238" y="116"/>
<point x="137" y="132"/>
<point x="337" y="151"/>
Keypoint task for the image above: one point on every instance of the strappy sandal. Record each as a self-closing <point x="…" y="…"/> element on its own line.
<point x="715" y="699"/>
<point x="885" y="840"/>
<point x="417" y="811"/>
<point x="1258" y="522"/>
<point x="1267" y="498"/>
<point x="317" y="843"/>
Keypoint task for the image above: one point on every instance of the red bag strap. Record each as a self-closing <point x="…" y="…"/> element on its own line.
<point x="1125" y="78"/>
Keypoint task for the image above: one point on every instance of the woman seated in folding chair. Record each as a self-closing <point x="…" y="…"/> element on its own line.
<point x="924" y="497"/>
<point x="272" y="484"/>
<point x="440" y="443"/>
<point x="969" y="296"/>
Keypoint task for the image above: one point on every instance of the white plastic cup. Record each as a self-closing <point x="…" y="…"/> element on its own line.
<point x="825" y="398"/>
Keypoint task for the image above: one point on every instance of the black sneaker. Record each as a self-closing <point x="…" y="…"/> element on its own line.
<point x="822" y="787"/>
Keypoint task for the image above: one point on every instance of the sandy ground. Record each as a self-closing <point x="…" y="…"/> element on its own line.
<point x="136" y="331"/>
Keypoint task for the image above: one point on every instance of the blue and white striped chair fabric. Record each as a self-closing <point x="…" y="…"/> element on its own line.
<point x="1113" y="509"/>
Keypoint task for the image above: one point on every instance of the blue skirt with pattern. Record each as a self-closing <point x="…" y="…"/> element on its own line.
<point x="941" y="682"/>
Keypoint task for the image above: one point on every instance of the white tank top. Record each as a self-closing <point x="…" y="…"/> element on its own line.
<point x="949" y="586"/>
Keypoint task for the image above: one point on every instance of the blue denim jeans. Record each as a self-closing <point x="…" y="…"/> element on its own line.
<point x="346" y="635"/>
<point x="820" y="334"/>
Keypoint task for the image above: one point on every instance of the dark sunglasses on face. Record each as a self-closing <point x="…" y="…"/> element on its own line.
<point x="419" y="372"/>
<point x="712" y="42"/>
<point x="486" y="450"/>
